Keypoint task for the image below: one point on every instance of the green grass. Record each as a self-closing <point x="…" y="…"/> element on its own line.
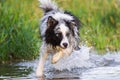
<point x="19" y="30"/>
<point x="19" y="26"/>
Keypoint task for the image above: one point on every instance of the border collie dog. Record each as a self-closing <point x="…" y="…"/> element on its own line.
<point x="60" y="34"/>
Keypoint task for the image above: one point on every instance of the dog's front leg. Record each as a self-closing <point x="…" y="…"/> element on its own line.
<point x="57" y="57"/>
<point x="40" y="68"/>
<point x="68" y="51"/>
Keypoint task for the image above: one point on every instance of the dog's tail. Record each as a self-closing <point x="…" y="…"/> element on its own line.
<point x="47" y="5"/>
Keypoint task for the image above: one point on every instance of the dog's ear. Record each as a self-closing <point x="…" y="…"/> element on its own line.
<point x="51" y="22"/>
<point x="72" y="23"/>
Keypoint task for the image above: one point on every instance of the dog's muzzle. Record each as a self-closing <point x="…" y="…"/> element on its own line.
<point x="65" y="45"/>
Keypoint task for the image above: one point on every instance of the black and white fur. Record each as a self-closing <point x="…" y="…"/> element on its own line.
<point x="60" y="33"/>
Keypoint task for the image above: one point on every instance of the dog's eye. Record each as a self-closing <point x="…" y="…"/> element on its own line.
<point x="58" y="34"/>
<point x="68" y="34"/>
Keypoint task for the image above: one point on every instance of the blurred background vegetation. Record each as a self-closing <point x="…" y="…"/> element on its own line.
<point x="19" y="29"/>
<point x="19" y="26"/>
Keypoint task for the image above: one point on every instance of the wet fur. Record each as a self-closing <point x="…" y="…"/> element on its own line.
<point x="60" y="34"/>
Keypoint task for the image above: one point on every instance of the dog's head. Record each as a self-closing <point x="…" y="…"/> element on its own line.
<point x="60" y="30"/>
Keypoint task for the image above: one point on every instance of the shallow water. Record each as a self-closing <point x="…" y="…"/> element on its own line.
<point x="81" y="65"/>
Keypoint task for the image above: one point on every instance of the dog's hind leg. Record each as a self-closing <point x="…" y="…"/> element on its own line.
<point x="40" y="68"/>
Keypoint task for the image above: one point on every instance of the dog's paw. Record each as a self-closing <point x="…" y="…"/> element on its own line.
<point x="39" y="74"/>
<point x="54" y="61"/>
<point x="56" y="57"/>
<point x="40" y="78"/>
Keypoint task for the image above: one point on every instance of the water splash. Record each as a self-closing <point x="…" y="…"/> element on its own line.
<point x="87" y="59"/>
<point x="83" y="60"/>
<point x="77" y="59"/>
<point x="80" y="65"/>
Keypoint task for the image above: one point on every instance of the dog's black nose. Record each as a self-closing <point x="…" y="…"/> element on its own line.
<point x="65" y="45"/>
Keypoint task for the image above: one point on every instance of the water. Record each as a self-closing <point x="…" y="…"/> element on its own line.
<point x="81" y="65"/>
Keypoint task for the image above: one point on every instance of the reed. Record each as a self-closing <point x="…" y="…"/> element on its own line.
<point x="19" y="30"/>
<point x="19" y="26"/>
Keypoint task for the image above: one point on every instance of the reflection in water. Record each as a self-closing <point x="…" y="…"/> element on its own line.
<point x="8" y="71"/>
<point x="82" y="65"/>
